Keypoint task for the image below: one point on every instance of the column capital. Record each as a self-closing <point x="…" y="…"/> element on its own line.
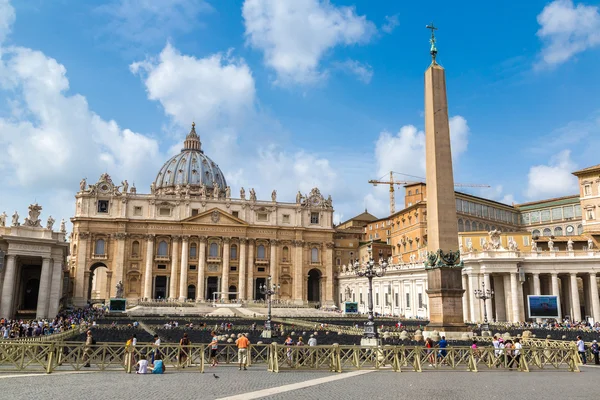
<point x="226" y="240"/>
<point x="243" y="240"/>
<point x="119" y="236"/>
<point x="573" y="274"/>
<point x="297" y="243"/>
<point x="274" y="242"/>
<point x="46" y="259"/>
<point x="330" y="245"/>
<point x="185" y="238"/>
<point x="84" y="235"/>
<point x="593" y="274"/>
<point x="150" y="237"/>
<point x="251" y="242"/>
<point x="202" y="239"/>
<point x="175" y="238"/>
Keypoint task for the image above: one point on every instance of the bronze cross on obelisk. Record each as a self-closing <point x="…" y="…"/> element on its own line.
<point x="433" y="50"/>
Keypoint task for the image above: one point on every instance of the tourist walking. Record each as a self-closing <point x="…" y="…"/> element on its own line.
<point x="87" y="350"/>
<point x="443" y="344"/>
<point x="581" y="349"/>
<point x="242" y="344"/>
<point x="129" y="352"/>
<point x="184" y="349"/>
<point x="289" y="343"/>
<point x="214" y="347"/>
<point x="596" y="352"/>
<point x="517" y="353"/>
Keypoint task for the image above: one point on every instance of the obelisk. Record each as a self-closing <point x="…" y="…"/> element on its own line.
<point x="443" y="265"/>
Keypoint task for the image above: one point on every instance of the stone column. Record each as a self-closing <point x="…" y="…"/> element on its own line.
<point x="488" y="302"/>
<point x="273" y="264"/>
<point x="44" y="290"/>
<point x="250" y="286"/>
<point x="537" y="289"/>
<point x="475" y="306"/>
<point x="242" y="270"/>
<point x="499" y="300"/>
<point x="556" y="292"/>
<point x="514" y="289"/>
<point x="119" y="260"/>
<point x="465" y="299"/>
<point x="298" y="269"/>
<point x="575" y="298"/>
<point x="507" y="298"/>
<point x="225" y="272"/>
<point x="329" y="271"/>
<point x="201" y="270"/>
<point x="174" y="259"/>
<point x="108" y="283"/>
<point x="149" y="266"/>
<point x="82" y="249"/>
<point x="594" y="296"/>
<point x="8" y="287"/>
<point x="183" y="281"/>
<point x="55" y="288"/>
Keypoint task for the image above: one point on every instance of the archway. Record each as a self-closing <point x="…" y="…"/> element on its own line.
<point x="232" y="296"/>
<point x="93" y="269"/>
<point x="257" y="284"/>
<point x="314" y="285"/>
<point x="30" y="295"/>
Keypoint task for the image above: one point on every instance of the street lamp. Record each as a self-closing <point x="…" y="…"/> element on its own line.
<point x="484" y="294"/>
<point x="369" y="271"/>
<point x="269" y="290"/>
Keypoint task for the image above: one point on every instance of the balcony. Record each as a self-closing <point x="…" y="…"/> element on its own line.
<point x="162" y="258"/>
<point x="213" y="259"/>
<point x="99" y="256"/>
<point x="261" y="261"/>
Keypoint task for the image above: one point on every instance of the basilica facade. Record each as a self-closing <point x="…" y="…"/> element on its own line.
<point x="189" y="239"/>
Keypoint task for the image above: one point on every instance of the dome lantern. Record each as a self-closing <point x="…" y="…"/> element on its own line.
<point x="192" y="140"/>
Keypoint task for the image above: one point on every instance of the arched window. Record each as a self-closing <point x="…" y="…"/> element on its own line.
<point x="580" y="229"/>
<point x="487" y="227"/>
<point x="314" y="255"/>
<point x="135" y="248"/>
<point x="558" y="231"/>
<point x="285" y="253"/>
<point x="480" y="226"/>
<point x="100" y="247"/>
<point x="233" y="252"/>
<point x="468" y="226"/>
<point x="260" y="252"/>
<point x="193" y="251"/>
<point x="535" y="233"/>
<point x="547" y="232"/>
<point x="213" y="250"/>
<point x="461" y="225"/>
<point x="163" y="248"/>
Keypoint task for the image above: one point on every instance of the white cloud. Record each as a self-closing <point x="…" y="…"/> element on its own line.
<point x="364" y="72"/>
<point x="391" y="23"/>
<point x="151" y="21"/>
<point x="7" y="18"/>
<point x="296" y="35"/>
<point x="554" y="179"/>
<point x="567" y="29"/>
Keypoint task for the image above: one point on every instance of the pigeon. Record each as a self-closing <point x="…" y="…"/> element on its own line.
<point x="215" y="375"/>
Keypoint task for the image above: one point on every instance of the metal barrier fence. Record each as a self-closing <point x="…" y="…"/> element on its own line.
<point x="50" y="357"/>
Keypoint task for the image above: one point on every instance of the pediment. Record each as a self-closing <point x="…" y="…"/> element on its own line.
<point x="215" y="216"/>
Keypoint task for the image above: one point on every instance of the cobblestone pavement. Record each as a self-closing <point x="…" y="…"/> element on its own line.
<point x="231" y="382"/>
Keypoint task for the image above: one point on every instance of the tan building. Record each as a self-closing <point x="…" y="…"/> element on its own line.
<point x="33" y="266"/>
<point x="189" y="239"/>
<point x="589" y="191"/>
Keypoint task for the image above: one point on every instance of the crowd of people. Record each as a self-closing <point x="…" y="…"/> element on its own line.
<point x="549" y="324"/>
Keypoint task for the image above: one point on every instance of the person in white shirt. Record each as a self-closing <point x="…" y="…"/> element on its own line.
<point x="142" y="366"/>
<point x="581" y="349"/>
<point x="312" y="341"/>
<point x="155" y="347"/>
<point x="517" y="353"/>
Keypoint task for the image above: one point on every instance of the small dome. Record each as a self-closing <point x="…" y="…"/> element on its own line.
<point x="190" y="167"/>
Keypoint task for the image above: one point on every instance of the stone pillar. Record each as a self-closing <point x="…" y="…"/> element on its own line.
<point x="55" y="288"/>
<point x="81" y="267"/>
<point x="242" y="270"/>
<point x="298" y="272"/>
<point x="149" y="266"/>
<point x="515" y="287"/>
<point x="273" y="264"/>
<point x="594" y="297"/>
<point x="174" y="259"/>
<point x="329" y="284"/>
<point x="465" y="299"/>
<point x="537" y="289"/>
<point x="575" y="298"/>
<point x="8" y="287"/>
<point x="44" y="290"/>
<point x="108" y="283"/>
<point x="183" y="281"/>
<point x="225" y="272"/>
<point x="499" y="299"/>
<point x="119" y="260"/>
<point x="250" y="274"/>
<point x="556" y="292"/>
<point x="488" y="303"/>
<point x="201" y="270"/>
<point x="475" y="306"/>
<point x="508" y="298"/>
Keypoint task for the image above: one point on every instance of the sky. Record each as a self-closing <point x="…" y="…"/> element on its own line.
<point x="291" y="95"/>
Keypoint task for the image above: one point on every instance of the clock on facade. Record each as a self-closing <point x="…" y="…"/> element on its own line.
<point x="569" y="229"/>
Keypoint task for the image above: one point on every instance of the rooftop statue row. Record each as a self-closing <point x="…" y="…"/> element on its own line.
<point x="33" y="219"/>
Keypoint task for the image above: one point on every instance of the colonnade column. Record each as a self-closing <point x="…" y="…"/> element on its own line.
<point x="201" y="269"/>
<point x="556" y="292"/>
<point x="149" y="265"/>
<point x="80" y="281"/>
<point x="507" y="298"/>
<point x="475" y="308"/>
<point x="183" y="281"/>
<point x="536" y="289"/>
<point x="120" y="260"/>
<point x="329" y="271"/>
<point x="594" y="295"/>
<point x="44" y="289"/>
<point x="109" y="275"/>
<point x="298" y="268"/>
<point x="225" y="272"/>
<point x="514" y="289"/>
<point x="465" y="298"/>
<point x="499" y="300"/>
<point x="488" y="303"/>
<point x="8" y="287"/>
<point x="250" y="286"/>
<point x="55" y="288"/>
<point x="174" y="259"/>
<point x="242" y="270"/>
<point x="575" y="298"/>
<point x="273" y="268"/>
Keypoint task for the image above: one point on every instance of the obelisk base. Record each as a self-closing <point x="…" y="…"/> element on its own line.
<point x="444" y="289"/>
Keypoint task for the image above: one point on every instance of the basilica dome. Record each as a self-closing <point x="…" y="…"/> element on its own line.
<point x="190" y="167"/>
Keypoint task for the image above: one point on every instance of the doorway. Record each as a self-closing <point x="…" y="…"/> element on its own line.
<point x="257" y="294"/>
<point x="160" y="287"/>
<point x="191" y="292"/>
<point x="212" y="286"/>
<point x="232" y="295"/>
<point x="30" y="294"/>
<point x="314" y="285"/>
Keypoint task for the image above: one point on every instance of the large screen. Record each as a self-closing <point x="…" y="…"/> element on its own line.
<point x="350" y="307"/>
<point x="117" y="305"/>
<point x="543" y="306"/>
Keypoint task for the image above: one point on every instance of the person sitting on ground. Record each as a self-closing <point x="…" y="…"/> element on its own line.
<point x="159" y="365"/>
<point x="142" y="365"/>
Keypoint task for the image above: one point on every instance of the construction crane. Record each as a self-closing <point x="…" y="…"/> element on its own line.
<point x="392" y="182"/>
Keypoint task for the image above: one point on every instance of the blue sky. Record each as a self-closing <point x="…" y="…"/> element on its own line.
<point x="288" y="95"/>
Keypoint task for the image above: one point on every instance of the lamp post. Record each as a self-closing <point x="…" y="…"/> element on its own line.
<point x="484" y="294"/>
<point x="269" y="290"/>
<point x="369" y="271"/>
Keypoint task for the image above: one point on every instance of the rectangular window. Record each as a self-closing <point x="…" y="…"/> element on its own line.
<point x="407" y="300"/>
<point x="484" y="211"/>
<point x="535" y="217"/>
<point x="568" y="212"/>
<point x="262" y="216"/>
<point x="286" y="218"/>
<point x="420" y="298"/>
<point x="261" y="269"/>
<point x="162" y="266"/>
<point x="314" y="218"/>
<point x="556" y="214"/>
<point x="376" y="299"/>
<point x="545" y="215"/>
<point x="233" y="268"/>
<point x="192" y="267"/>
<point x="478" y="210"/>
<point x="577" y="210"/>
<point x="525" y="218"/>
<point x="194" y="211"/>
<point x="235" y="214"/>
<point x="164" y="212"/>
<point x="397" y="299"/>
<point x="589" y="214"/>
<point x="471" y="208"/>
<point x="587" y="190"/>
<point x="102" y="206"/>
<point x="525" y="240"/>
<point x="458" y="205"/>
<point x="137" y="211"/>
